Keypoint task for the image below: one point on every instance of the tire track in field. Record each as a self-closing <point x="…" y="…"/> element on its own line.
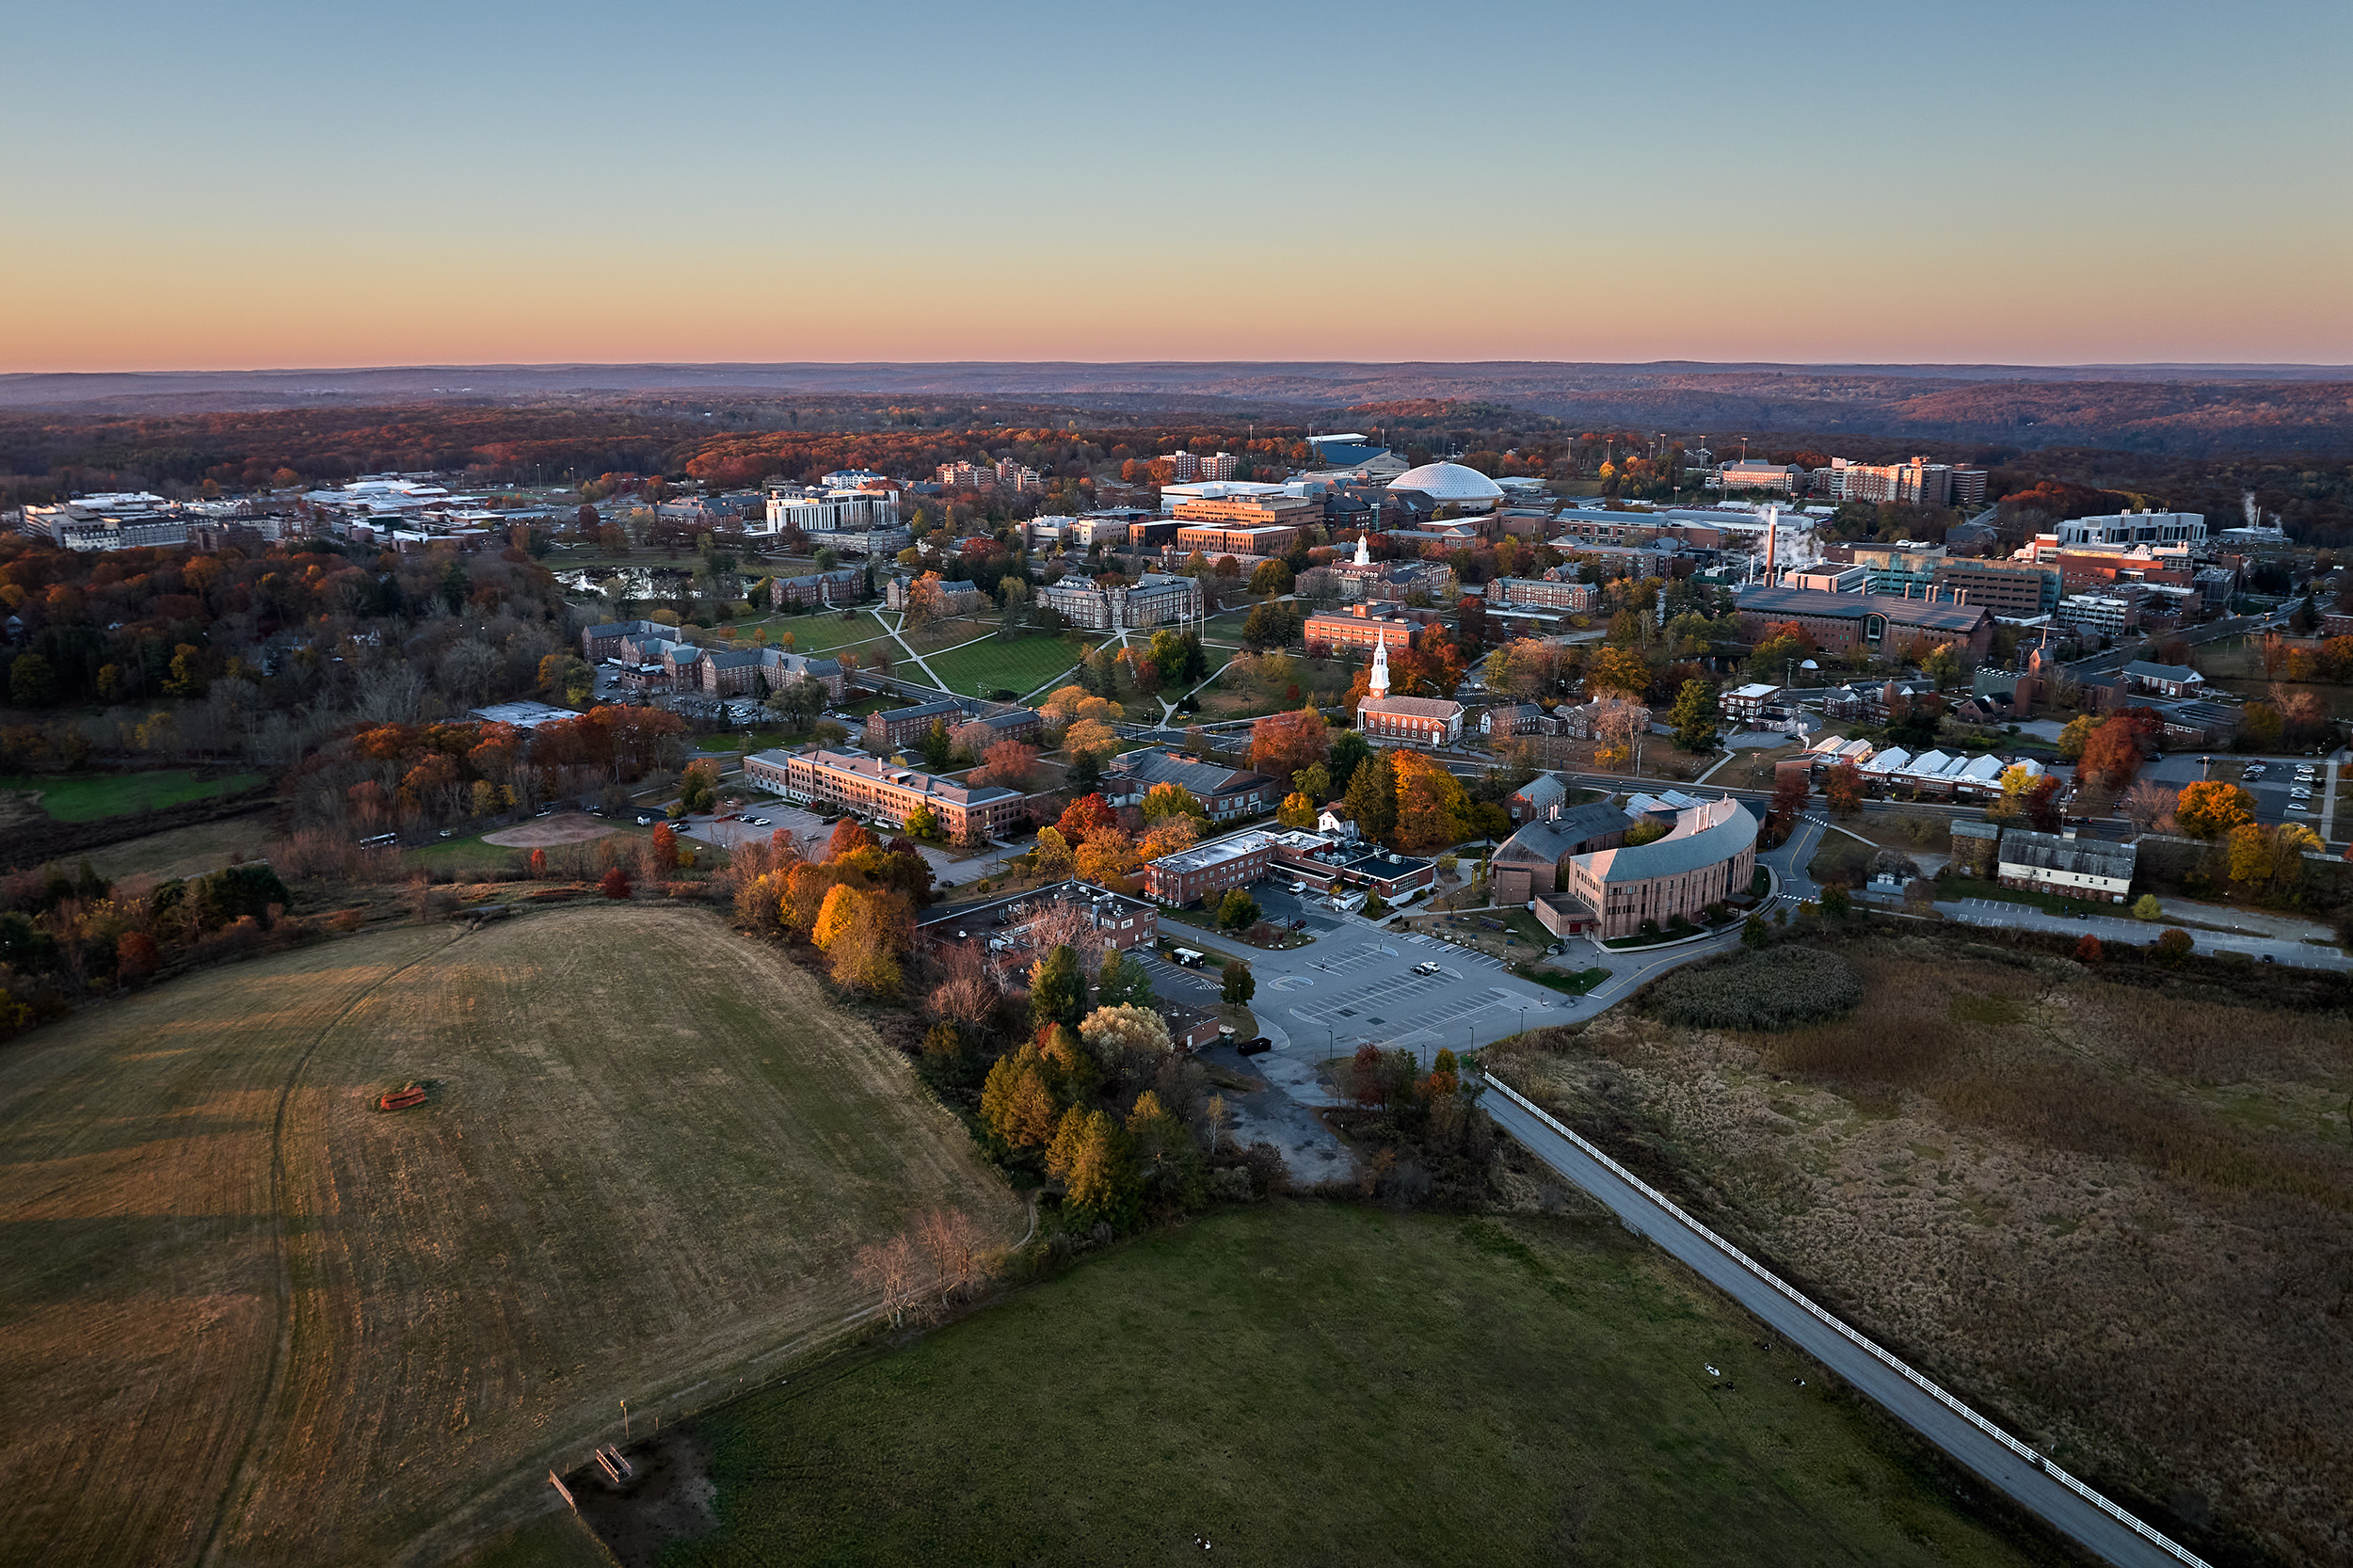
<point x="282" y="1345"/>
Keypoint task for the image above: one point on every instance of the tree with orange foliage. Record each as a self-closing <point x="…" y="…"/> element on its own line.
<point x="2112" y="755"/>
<point x="1285" y="743"/>
<point x="849" y="836"/>
<point x="1843" y="789"/>
<point x="135" y="955"/>
<point x="665" y="848"/>
<point x="1084" y="818"/>
<point x="539" y="864"/>
<point x="615" y="884"/>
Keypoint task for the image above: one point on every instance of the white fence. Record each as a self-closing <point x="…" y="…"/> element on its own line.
<point x="1768" y="1277"/>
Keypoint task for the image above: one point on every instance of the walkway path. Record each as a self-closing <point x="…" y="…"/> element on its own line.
<point x="2022" y="1479"/>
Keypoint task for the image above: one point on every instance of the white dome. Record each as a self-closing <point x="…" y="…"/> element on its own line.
<point x="1448" y="482"/>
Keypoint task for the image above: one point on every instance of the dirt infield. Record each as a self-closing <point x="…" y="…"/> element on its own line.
<point x="252" y="1318"/>
<point x="566" y="827"/>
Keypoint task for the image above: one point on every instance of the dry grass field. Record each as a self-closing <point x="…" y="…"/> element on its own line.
<point x="246" y="1317"/>
<point x="2121" y="1218"/>
<point x="183" y="850"/>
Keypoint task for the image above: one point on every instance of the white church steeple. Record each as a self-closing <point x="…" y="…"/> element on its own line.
<point x="1364" y="555"/>
<point x="1380" y="687"/>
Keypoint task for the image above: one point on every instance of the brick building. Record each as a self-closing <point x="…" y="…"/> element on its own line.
<point x="1227" y="794"/>
<point x="874" y="788"/>
<point x="1235" y="538"/>
<point x="1155" y="598"/>
<point x="1364" y="626"/>
<point x="1209" y="871"/>
<point x="1004" y="924"/>
<point x="599" y="643"/>
<point x="898" y="727"/>
<point x="1544" y="593"/>
<point x="1707" y="856"/>
<point x="841" y="585"/>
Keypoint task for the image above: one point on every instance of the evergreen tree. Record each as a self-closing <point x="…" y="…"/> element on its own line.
<point x="1372" y="799"/>
<point x="1123" y="980"/>
<point x="1058" y="989"/>
<point x="1349" y="751"/>
<point x="1694" y="718"/>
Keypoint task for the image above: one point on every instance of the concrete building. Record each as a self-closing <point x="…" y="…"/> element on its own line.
<point x="1436" y="485"/>
<point x="818" y="511"/>
<point x="2098" y="615"/>
<point x="2134" y="528"/>
<point x="2064" y="864"/>
<point x="1917" y="483"/>
<point x="874" y="788"/>
<point x="2015" y="590"/>
<point x="1263" y="510"/>
<point x="1904" y="569"/>
<point x="119" y="521"/>
<point x="1755" y="473"/>
<point x="1840" y="621"/>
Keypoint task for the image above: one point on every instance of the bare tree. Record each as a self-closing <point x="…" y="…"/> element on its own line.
<point x="1214" y="1120"/>
<point x="1065" y="923"/>
<point x="2147" y="803"/>
<point x="959" y="1252"/>
<point x="967" y="991"/>
<point x="889" y="1270"/>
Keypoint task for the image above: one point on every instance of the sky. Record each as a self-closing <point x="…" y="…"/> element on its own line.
<point x="2042" y="181"/>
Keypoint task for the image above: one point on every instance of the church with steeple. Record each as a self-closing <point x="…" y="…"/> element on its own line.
<point x="1415" y="721"/>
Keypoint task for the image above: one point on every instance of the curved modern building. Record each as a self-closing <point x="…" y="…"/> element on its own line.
<point x="1705" y="857"/>
<point x="1451" y="482"/>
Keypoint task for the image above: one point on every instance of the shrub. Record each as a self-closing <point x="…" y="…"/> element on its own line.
<point x="1767" y="988"/>
<point x="615" y="884"/>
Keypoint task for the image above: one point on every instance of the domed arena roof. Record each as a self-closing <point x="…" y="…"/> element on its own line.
<point x="1448" y="482"/>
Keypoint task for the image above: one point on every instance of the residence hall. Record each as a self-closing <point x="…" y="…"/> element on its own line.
<point x="1877" y="621"/>
<point x="874" y="788"/>
<point x="1228" y="795"/>
<point x="1707" y="856"/>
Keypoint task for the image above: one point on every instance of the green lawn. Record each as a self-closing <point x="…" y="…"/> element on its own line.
<point x="1021" y="665"/>
<point x="1312" y="1383"/>
<point x="817" y="634"/>
<point x="92" y="796"/>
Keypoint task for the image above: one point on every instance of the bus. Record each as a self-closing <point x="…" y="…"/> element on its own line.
<point x="1186" y="956"/>
<point x="380" y="840"/>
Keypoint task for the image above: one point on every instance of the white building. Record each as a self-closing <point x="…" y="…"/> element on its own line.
<point x="2130" y="528"/>
<point x="825" y="511"/>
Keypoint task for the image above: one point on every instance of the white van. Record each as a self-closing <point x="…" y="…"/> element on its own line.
<point x="1186" y="956"/>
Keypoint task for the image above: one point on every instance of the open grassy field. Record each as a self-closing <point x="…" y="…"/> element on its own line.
<point x="2120" y="1215"/>
<point x="245" y="1317"/>
<point x="184" y="851"/>
<point x="1312" y="1383"/>
<point x="1021" y="665"/>
<point x="816" y="634"/>
<point x="91" y="796"/>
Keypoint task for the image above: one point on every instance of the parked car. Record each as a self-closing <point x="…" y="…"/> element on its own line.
<point x="1426" y="968"/>
<point x="1254" y="1045"/>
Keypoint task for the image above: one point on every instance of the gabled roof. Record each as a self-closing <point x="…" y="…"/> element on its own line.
<point x="2057" y="853"/>
<point x="2144" y="670"/>
<point x="1205" y="780"/>
<point x="1547" y="840"/>
<point x="1412" y="707"/>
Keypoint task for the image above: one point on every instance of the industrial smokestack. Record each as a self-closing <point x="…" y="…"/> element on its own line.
<point x="1772" y="540"/>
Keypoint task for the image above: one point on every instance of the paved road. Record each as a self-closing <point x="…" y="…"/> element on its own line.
<point x="2112" y="928"/>
<point x="2066" y="1511"/>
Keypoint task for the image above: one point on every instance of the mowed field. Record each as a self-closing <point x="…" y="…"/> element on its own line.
<point x="1311" y="1383"/>
<point x="1021" y="665"/>
<point x="246" y="1317"/>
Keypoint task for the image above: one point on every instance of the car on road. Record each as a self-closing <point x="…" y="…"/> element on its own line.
<point x="757" y="821"/>
<point x="1254" y="1045"/>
